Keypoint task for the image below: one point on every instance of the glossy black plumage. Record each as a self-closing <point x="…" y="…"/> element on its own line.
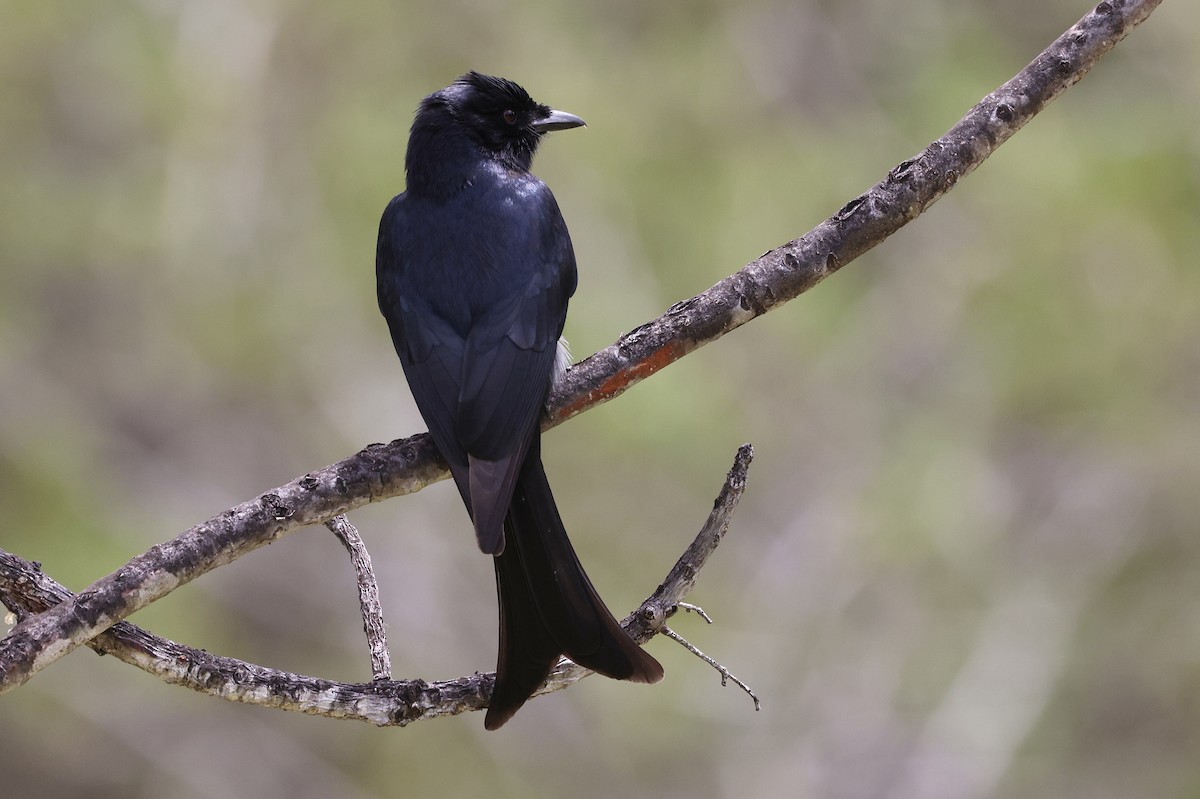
<point x="475" y="269"/>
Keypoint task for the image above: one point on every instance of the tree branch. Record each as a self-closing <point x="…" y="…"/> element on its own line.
<point x="368" y="595"/>
<point x="382" y="471"/>
<point x="385" y="702"/>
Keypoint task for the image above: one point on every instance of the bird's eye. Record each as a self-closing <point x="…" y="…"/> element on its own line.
<point x="510" y="116"/>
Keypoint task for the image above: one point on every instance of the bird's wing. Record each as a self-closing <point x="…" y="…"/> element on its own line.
<point x="430" y="349"/>
<point x="480" y="386"/>
<point x="508" y="365"/>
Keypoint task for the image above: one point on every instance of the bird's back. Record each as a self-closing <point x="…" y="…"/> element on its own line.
<point x="462" y="258"/>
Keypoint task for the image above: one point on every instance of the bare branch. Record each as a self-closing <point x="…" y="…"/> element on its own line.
<point x="375" y="473"/>
<point x="687" y="607"/>
<point x="726" y="675"/>
<point x="27" y="590"/>
<point x="682" y="579"/>
<point x="382" y="471"/>
<point x="368" y="596"/>
<point x="904" y="193"/>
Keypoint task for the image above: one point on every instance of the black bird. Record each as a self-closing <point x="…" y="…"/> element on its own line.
<point x="474" y="270"/>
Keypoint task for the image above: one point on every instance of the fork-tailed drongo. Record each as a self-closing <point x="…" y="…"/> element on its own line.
<point x="474" y="269"/>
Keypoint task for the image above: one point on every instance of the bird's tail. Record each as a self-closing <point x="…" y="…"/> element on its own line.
<point x="548" y="606"/>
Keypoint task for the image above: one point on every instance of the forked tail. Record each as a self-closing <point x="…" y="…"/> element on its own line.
<point x="548" y="606"/>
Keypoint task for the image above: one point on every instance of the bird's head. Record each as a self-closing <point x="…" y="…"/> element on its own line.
<point x="496" y="114"/>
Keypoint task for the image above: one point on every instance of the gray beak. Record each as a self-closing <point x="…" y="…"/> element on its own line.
<point x="557" y="120"/>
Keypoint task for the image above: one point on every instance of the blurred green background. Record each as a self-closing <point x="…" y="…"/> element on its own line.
<point x="968" y="563"/>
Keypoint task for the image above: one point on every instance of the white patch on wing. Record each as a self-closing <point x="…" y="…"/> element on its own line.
<point x="562" y="362"/>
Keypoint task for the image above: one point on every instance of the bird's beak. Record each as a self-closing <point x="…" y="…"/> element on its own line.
<point x="557" y="120"/>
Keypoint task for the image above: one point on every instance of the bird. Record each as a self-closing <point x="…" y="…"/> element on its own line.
<point x="474" y="271"/>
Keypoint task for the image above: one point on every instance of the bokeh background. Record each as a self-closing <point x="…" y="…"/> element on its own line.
<point x="968" y="563"/>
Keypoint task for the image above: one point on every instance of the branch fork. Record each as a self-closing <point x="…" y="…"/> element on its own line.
<point x="383" y="701"/>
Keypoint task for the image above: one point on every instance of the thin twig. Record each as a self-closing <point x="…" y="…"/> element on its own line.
<point x="726" y="674"/>
<point x="382" y="471"/>
<point x="687" y="607"/>
<point x="368" y="595"/>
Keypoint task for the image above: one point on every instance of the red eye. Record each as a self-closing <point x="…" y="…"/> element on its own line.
<point x="510" y="116"/>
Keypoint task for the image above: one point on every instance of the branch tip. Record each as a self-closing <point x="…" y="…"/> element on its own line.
<point x="727" y="676"/>
<point x="688" y="607"/>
